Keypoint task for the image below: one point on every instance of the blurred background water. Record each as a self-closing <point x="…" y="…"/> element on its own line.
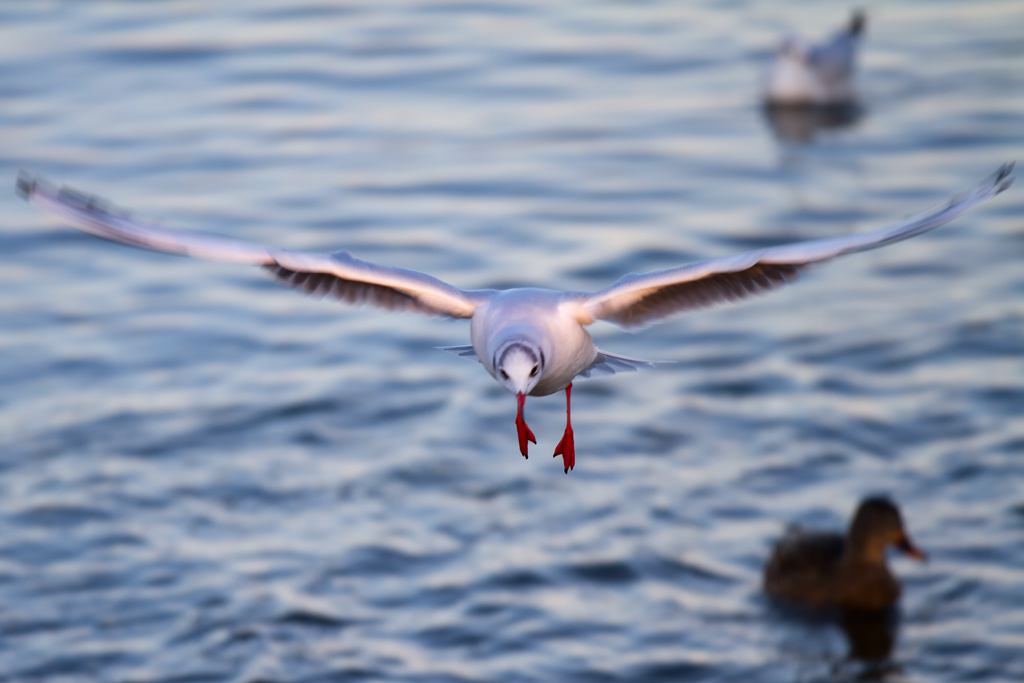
<point x="207" y="477"/>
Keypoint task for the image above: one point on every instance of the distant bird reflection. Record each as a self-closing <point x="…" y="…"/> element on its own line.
<point x="801" y="123"/>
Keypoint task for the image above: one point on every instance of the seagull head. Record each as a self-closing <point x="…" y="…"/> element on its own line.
<point x="519" y="365"/>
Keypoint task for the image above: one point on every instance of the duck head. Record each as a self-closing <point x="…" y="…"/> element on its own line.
<point x="878" y="525"/>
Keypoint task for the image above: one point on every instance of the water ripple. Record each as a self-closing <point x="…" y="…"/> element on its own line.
<point x="209" y="478"/>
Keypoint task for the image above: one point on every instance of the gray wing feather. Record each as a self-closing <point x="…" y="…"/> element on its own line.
<point x="463" y="351"/>
<point x="636" y="301"/>
<point x="610" y="363"/>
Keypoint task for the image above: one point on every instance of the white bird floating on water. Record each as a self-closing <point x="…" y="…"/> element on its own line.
<point x="530" y="340"/>
<point x="816" y="75"/>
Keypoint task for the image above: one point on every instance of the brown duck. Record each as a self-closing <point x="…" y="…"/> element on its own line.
<point x="828" y="570"/>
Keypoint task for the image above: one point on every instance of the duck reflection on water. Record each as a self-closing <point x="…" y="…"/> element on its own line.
<point x="836" y="644"/>
<point x="871" y="637"/>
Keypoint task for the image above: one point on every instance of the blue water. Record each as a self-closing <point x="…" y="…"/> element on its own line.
<point x="207" y="477"/>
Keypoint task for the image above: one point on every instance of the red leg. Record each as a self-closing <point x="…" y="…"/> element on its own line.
<point x="521" y="428"/>
<point x="567" y="446"/>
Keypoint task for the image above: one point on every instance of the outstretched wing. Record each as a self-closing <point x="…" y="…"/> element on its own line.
<point x="340" y="274"/>
<point x="636" y="301"/>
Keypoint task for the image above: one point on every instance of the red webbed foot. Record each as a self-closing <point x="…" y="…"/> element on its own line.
<point x="567" y="446"/>
<point x="522" y="429"/>
<point x="567" y="449"/>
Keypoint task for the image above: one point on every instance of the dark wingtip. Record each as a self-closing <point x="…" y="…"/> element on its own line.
<point x="25" y="185"/>
<point x="1005" y="170"/>
<point x="70" y="195"/>
<point x="1001" y="178"/>
<point x="857" y="22"/>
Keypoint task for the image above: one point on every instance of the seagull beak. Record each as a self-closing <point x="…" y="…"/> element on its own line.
<point x="904" y="544"/>
<point x="521" y="428"/>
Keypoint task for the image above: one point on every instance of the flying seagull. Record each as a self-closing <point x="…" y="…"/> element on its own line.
<point x="531" y="340"/>
<point x="816" y="75"/>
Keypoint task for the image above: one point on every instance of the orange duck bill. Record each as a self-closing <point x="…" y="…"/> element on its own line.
<point x="904" y="543"/>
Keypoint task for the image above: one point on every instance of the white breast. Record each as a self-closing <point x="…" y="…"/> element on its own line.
<point x="547" y="317"/>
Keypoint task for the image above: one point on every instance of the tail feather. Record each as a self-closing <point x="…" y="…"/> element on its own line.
<point x="610" y="363"/>
<point x="857" y="22"/>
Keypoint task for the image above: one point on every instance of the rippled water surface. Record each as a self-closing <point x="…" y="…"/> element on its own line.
<point x="207" y="477"/>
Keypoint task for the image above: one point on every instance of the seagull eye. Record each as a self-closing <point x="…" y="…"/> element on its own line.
<point x="504" y="374"/>
<point x="533" y="373"/>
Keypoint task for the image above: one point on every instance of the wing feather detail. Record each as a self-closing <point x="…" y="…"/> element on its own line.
<point x="339" y="275"/>
<point x="636" y="301"/>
